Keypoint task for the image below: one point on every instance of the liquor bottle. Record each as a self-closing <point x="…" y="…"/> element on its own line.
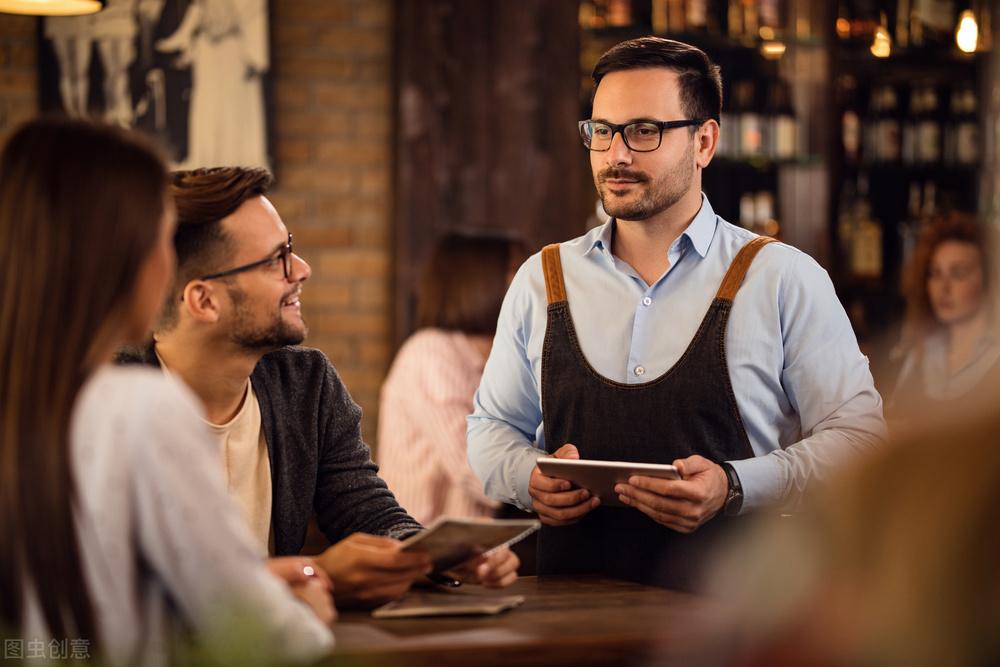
<point x="902" y="23"/>
<point x="864" y="20"/>
<point x="887" y="141"/>
<point x="950" y="153"/>
<point x="729" y="125"/>
<point x="771" y="18"/>
<point x="619" y="13"/>
<point x="751" y="19"/>
<point x="845" y="221"/>
<point x="985" y="20"/>
<point x="869" y="128"/>
<point x="915" y="108"/>
<point x="928" y="129"/>
<point x="800" y="19"/>
<point x="910" y="227"/>
<point x="935" y="21"/>
<point x="748" y="212"/>
<point x="850" y="122"/>
<point x="765" y="223"/>
<point x="660" y="17"/>
<point x="591" y="14"/>
<point x="966" y="124"/>
<point x="866" y="245"/>
<point x="696" y="15"/>
<point x="675" y="12"/>
<point x="751" y="121"/>
<point x="784" y="125"/>
<point x="734" y="20"/>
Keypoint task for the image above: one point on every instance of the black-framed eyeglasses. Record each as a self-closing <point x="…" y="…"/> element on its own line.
<point x="283" y="255"/>
<point x="641" y="136"/>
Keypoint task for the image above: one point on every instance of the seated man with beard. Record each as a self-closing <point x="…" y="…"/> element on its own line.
<point x="289" y="432"/>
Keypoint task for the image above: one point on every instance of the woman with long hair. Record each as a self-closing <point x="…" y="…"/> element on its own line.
<point x="948" y="338"/>
<point x="429" y="390"/>
<point x="113" y="515"/>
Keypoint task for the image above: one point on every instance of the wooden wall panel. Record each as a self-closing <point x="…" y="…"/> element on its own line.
<point x="486" y="111"/>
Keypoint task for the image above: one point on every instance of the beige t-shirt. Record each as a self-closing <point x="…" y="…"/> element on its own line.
<point x="247" y="469"/>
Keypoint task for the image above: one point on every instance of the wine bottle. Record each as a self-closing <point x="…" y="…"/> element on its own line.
<point x="696" y="15"/>
<point x="785" y="130"/>
<point x="888" y="134"/>
<point x="967" y="128"/>
<point x="928" y="146"/>
<point x="910" y="227"/>
<point x="765" y="223"/>
<point x="902" y="23"/>
<point x="936" y="21"/>
<point x="850" y="121"/>
<point x="619" y="13"/>
<point x="751" y="121"/>
<point x="866" y="248"/>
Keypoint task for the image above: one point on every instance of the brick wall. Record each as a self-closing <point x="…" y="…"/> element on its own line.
<point x="332" y="123"/>
<point x="18" y="75"/>
<point x="333" y="130"/>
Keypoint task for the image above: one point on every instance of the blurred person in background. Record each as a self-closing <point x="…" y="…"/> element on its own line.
<point x="428" y="393"/>
<point x="949" y="343"/>
<point x="894" y="563"/>
<point x="116" y="526"/>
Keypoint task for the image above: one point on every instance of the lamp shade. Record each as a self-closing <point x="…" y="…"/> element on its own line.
<point x="51" y="7"/>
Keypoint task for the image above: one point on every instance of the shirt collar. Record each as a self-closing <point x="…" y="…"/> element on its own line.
<point x="700" y="232"/>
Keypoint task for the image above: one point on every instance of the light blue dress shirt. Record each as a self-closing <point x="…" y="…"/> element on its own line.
<point x="802" y="386"/>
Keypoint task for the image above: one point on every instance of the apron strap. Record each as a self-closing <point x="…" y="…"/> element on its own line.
<point x="738" y="269"/>
<point x="552" y="269"/>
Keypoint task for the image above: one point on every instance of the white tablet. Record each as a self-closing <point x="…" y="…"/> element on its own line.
<point x="451" y="541"/>
<point x="600" y="477"/>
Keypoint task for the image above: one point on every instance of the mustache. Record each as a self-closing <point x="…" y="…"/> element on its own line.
<point x="614" y="172"/>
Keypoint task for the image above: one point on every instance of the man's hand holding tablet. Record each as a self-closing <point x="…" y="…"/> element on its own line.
<point x="555" y="500"/>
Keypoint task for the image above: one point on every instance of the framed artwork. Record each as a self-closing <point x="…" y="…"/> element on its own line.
<point x="194" y="73"/>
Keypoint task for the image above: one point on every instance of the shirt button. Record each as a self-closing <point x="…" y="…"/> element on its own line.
<point x="640" y="371"/>
<point x="646" y="301"/>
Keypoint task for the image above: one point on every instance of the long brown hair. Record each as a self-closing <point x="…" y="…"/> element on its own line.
<point x="80" y="207"/>
<point x="465" y="282"/>
<point x="962" y="227"/>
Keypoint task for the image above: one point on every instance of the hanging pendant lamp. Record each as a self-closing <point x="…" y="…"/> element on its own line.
<point x="51" y="7"/>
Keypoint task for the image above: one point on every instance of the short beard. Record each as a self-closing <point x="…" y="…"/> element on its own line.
<point x="659" y="194"/>
<point x="253" y="338"/>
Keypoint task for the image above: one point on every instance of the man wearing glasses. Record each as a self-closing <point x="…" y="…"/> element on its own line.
<point x="289" y="432"/>
<point x="665" y="336"/>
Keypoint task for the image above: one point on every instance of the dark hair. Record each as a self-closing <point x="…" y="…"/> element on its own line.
<point x="203" y="198"/>
<point x="962" y="227"/>
<point x="700" y="78"/>
<point x="465" y="282"/>
<point x="80" y="206"/>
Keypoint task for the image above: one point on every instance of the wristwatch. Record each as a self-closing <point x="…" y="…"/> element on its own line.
<point x="734" y="497"/>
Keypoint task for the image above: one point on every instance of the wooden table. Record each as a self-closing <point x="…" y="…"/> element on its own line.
<point x="563" y="621"/>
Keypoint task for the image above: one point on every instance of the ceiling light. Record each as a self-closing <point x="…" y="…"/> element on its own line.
<point x="51" y="7"/>
<point x="967" y="34"/>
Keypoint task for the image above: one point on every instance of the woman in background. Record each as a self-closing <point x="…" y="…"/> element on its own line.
<point x="429" y="390"/>
<point x="116" y="525"/>
<point x="949" y="336"/>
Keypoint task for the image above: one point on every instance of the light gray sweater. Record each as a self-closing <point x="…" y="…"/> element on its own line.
<point x="163" y="545"/>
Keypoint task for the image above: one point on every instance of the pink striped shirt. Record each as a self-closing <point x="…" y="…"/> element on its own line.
<point x="421" y="428"/>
